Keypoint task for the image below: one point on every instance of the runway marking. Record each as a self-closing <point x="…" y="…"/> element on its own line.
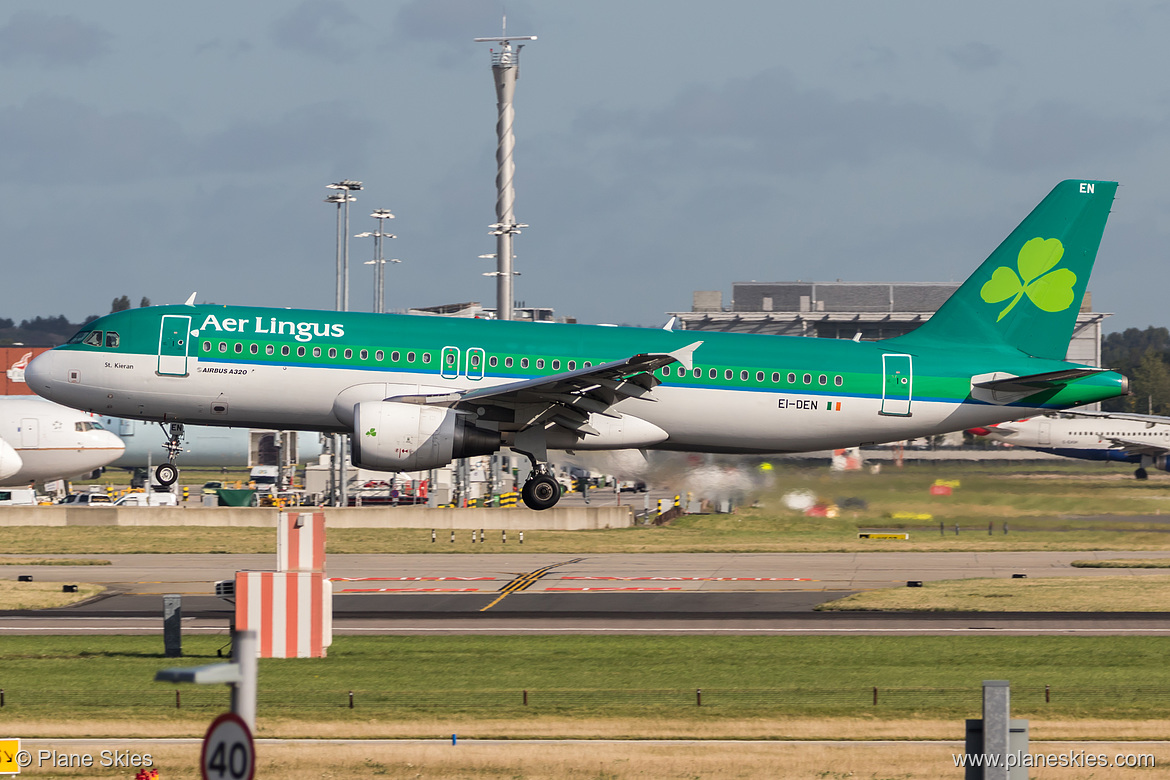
<point x="582" y="590"/>
<point x="409" y="579"/>
<point x="408" y="590"/>
<point x="526" y="580"/>
<point x="700" y="579"/>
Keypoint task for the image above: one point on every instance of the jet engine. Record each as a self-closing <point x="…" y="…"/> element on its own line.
<point x="394" y="436"/>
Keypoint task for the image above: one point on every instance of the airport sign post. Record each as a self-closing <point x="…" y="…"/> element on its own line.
<point x="240" y="675"/>
<point x="228" y="751"/>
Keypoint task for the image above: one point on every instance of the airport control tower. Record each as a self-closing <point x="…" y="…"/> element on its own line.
<point x="505" y="69"/>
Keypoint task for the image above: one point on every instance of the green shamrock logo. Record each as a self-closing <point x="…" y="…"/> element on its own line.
<point x="372" y="432"/>
<point x="1050" y="290"/>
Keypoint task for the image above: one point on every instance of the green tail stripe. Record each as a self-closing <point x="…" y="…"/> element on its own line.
<point x="1027" y="294"/>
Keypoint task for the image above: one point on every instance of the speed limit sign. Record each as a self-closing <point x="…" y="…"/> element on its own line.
<point x="228" y="753"/>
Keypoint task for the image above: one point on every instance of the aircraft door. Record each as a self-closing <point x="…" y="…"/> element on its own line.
<point x="449" y="363"/>
<point x="1045" y="433"/>
<point x="475" y="360"/>
<point x="898" y="387"/>
<point x="30" y="438"/>
<point x="173" y="341"/>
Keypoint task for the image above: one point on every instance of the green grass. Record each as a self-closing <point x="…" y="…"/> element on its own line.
<point x="396" y="678"/>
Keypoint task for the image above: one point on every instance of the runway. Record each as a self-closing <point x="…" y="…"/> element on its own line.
<point x="515" y="593"/>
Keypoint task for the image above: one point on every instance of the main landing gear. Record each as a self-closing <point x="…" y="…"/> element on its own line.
<point x="167" y="473"/>
<point x="541" y="490"/>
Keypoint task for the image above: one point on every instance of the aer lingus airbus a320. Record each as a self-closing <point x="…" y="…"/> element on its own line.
<point x="417" y="392"/>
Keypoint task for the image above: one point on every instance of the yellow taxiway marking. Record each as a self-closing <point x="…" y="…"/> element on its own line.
<point x="526" y="580"/>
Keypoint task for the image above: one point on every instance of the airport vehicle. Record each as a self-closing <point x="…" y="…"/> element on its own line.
<point x="148" y="499"/>
<point x="415" y="392"/>
<point x="18" y="497"/>
<point x="51" y="441"/>
<point x="1117" y="436"/>
<point x="87" y="499"/>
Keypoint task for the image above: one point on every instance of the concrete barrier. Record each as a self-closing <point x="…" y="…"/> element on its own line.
<point x="555" y="519"/>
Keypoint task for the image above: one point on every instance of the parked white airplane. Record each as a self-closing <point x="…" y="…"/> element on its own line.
<point x="1117" y="436"/>
<point x="205" y="445"/>
<point x="51" y="441"/>
<point x="10" y="461"/>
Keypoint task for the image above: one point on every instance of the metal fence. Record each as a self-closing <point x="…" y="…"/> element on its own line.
<point x="292" y="700"/>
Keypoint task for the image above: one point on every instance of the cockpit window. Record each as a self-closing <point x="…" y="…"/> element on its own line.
<point x="112" y="339"/>
<point x="82" y="427"/>
<point x="93" y="338"/>
<point x="77" y="337"/>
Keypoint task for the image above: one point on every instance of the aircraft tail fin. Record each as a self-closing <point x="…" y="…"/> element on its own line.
<point x="1026" y="295"/>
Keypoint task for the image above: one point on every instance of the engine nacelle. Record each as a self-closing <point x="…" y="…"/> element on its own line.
<point x="392" y="436"/>
<point x="1162" y="462"/>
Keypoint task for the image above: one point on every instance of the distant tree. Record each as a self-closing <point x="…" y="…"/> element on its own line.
<point x="144" y="302"/>
<point x="120" y="304"/>
<point x="1151" y="384"/>
<point x="56" y="324"/>
<point x="5" y="322"/>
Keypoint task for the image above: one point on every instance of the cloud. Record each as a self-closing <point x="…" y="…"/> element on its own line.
<point x="1062" y="135"/>
<point x="32" y="37"/>
<point x="312" y="28"/>
<point x="974" y="56"/>
<point x="448" y="27"/>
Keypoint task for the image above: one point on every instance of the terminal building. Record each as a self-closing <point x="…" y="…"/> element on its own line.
<point x="842" y="310"/>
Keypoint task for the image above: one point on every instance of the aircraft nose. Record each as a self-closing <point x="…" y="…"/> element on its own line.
<point x="10" y="461"/>
<point x="109" y="440"/>
<point x="39" y="375"/>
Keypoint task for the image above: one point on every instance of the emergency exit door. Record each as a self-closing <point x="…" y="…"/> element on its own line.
<point x="173" y="342"/>
<point x="898" y="387"/>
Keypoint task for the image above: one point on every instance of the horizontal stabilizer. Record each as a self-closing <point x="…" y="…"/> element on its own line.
<point x="1034" y="383"/>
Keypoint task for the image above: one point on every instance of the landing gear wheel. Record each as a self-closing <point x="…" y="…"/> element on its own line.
<point x="541" y="492"/>
<point x="166" y="474"/>
<point x="1140" y="473"/>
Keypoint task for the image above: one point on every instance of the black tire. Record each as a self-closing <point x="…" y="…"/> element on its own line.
<point x="166" y="474"/>
<point x="541" y="492"/>
<point x="1140" y="473"/>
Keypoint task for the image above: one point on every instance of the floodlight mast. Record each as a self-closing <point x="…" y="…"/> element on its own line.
<point x="505" y="70"/>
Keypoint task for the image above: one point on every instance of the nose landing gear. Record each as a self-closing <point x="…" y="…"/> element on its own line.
<point x="167" y="473"/>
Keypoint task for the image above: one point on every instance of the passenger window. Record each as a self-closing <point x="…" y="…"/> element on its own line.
<point x="475" y="360"/>
<point x="507" y="362"/>
<point x="112" y="339"/>
<point x="94" y="339"/>
<point x="523" y="362"/>
<point x="713" y="373"/>
<point x="808" y="379"/>
<point x="239" y="348"/>
<point x="348" y="354"/>
<point x="791" y="378"/>
<point x="586" y="364"/>
<point x="364" y="354"/>
<point x="316" y="352"/>
<point x="254" y="349"/>
<point x="775" y="377"/>
<point x="698" y="372"/>
<point x="379" y="356"/>
<point x="207" y="346"/>
<point x="837" y="381"/>
<point x="822" y="379"/>
<point x="556" y="365"/>
<point x="395" y="356"/>
<point x="759" y="376"/>
<point x="223" y="346"/>
<point x="284" y="350"/>
<point x="300" y="351"/>
<point x="493" y="361"/>
<point x="728" y="374"/>
<point x="426" y="357"/>
<point x="269" y="349"/>
<point x="540" y="362"/>
<point x="409" y="357"/>
<point x="743" y="375"/>
<point x="572" y="365"/>
<point x="682" y="371"/>
<point x="450" y="359"/>
<point x="332" y="352"/>
<point x="666" y="370"/>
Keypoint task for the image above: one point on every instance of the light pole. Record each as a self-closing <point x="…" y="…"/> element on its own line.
<point x="343" y="197"/>
<point x="379" y="261"/>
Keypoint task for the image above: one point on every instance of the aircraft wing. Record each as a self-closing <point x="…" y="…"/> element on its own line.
<point x="565" y="399"/>
<point x="1132" y="447"/>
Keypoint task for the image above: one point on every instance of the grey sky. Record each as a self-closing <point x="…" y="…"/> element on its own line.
<point x="662" y="147"/>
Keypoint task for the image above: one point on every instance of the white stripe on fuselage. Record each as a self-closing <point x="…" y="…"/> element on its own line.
<point x="293" y="397"/>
